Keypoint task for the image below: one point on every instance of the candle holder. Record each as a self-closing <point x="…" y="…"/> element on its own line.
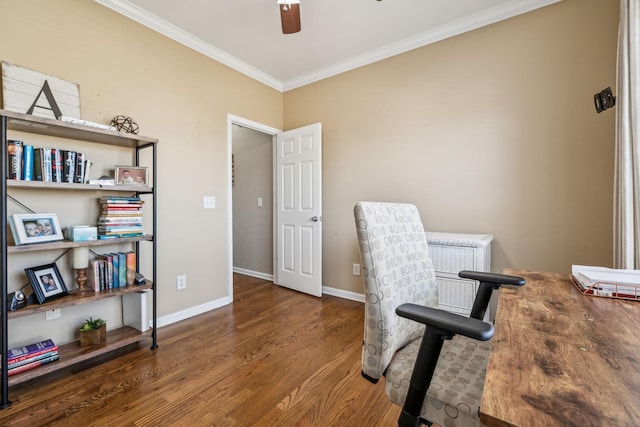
<point x="81" y="280"/>
<point x="80" y="264"/>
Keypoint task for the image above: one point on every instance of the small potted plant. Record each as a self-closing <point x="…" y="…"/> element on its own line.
<point x="93" y="332"/>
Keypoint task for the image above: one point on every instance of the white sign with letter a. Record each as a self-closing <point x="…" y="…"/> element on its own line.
<point x="31" y="92"/>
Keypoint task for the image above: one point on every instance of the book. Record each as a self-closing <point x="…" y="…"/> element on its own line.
<point x="108" y="271"/>
<point x="56" y="164"/>
<point x="121" y="220"/>
<point x="118" y="205"/>
<point x="78" y="176"/>
<point x="14" y="159"/>
<point x="103" y="237"/>
<point x="33" y="365"/>
<point x="24" y="357"/>
<point x="27" y="162"/>
<point x="121" y="228"/>
<point x="88" y="164"/>
<point x="131" y="268"/>
<point x="119" y="199"/>
<point x="115" y="259"/>
<point x="93" y="275"/>
<point x="38" y="356"/>
<point x="122" y="268"/>
<point x="37" y="164"/>
<point x="68" y="165"/>
<point x="29" y="349"/>
<point x="47" y="175"/>
<point x="102" y="275"/>
<point x="119" y="213"/>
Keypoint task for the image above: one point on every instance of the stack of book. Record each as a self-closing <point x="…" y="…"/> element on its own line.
<point x="120" y="217"/>
<point x="112" y="271"/>
<point x="31" y="356"/>
<point x="28" y="163"/>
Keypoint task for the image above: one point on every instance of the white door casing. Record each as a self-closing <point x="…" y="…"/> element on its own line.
<point x="298" y="170"/>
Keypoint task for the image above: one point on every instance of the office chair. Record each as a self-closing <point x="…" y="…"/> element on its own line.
<point x="433" y="361"/>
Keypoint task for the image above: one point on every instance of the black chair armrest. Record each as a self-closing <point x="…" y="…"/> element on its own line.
<point x="449" y="322"/>
<point x="495" y="278"/>
<point x="488" y="282"/>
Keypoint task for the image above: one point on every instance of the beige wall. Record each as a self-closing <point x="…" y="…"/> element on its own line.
<point x="253" y="225"/>
<point x="176" y="95"/>
<point x="493" y="131"/>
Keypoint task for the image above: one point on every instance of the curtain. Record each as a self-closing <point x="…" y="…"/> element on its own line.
<point x="626" y="210"/>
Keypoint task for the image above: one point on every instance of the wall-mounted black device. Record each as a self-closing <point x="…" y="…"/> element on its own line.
<point x="604" y="100"/>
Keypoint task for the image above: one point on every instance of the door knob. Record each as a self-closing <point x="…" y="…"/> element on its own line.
<point x="316" y="218"/>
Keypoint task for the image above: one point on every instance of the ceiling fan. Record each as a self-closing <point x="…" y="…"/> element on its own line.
<point x="290" y="16"/>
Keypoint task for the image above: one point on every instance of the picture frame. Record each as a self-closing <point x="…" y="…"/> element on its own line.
<point x="131" y="175"/>
<point x="46" y="282"/>
<point x="35" y="228"/>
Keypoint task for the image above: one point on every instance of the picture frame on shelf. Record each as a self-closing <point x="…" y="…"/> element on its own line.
<point x="46" y="282"/>
<point x="35" y="228"/>
<point x="132" y="175"/>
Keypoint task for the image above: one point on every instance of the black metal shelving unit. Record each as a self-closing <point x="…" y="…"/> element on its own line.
<point x="12" y="121"/>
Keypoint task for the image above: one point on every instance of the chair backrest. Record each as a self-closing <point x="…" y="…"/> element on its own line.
<point x="397" y="269"/>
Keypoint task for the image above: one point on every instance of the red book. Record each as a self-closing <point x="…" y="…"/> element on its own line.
<point x="30" y="349"/>
<point x="31" y="355"/>
<point x="32" y="365"/>
<point x="131" y="268"/>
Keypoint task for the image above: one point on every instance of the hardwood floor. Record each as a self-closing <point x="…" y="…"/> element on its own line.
<point x="274" y="357"/>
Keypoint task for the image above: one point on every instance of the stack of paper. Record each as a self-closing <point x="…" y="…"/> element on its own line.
<point x="607" y="281"/>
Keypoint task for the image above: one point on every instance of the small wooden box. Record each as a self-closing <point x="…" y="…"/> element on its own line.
<point x="94" y="337"/>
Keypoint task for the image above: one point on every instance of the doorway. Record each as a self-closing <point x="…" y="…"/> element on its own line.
<point x="252" y="189"/>
<point x="297" y="209"/>
<point x="250" y="198"/>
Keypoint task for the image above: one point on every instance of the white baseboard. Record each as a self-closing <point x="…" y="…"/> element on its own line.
<point x="343" y="294"/>
<point x="192" y="311"/>
<point x="325" y="289"/>
<point x="221" y="302"/>
<point x="252" y="273"/>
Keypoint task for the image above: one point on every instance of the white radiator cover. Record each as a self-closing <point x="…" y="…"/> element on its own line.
<point x="451" y="253"/>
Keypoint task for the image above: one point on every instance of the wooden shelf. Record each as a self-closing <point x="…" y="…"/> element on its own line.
<point x="142" y="189"/>
<point x="50" y="127"/>
<point x="76" y="299"/>
<point x="72" y="353"/>
<point x="66" y="244"/>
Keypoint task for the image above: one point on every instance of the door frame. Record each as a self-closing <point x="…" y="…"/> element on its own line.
<point x="250" y="124"/>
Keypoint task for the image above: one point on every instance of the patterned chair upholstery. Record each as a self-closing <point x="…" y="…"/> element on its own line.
<point x="398" y="273"/>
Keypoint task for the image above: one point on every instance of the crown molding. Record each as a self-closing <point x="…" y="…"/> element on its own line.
<point x="487" y="17"/>
<point x="473" y="22"/>
<point x="167" y="29"/>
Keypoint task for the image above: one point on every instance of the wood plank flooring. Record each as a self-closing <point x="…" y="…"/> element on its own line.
<point x="274" y="357"/>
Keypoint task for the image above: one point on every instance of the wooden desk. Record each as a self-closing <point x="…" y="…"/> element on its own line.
<point x="559" y="358"/>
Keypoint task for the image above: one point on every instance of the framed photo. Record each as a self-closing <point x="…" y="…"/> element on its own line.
<point x="46" y="282"/>
<point x="132" y="175"/>
<point x="35" y="228"/>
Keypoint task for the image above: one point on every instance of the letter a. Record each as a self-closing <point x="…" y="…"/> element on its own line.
<point x="53" y="105"/>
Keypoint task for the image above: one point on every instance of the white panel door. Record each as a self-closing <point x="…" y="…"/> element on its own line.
<point x="299" y="209"/>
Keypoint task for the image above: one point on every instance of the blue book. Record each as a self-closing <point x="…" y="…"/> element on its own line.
<point x="122" y="269"/>
<point x="116" y="270"/>
<point x="27" y="163"/>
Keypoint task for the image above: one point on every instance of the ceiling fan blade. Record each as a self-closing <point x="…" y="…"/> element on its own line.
<point x="290" y="16"/>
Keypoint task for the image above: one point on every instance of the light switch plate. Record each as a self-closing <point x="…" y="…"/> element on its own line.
<point x="209" y="202"/>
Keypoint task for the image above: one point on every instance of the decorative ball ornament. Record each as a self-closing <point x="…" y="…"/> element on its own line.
<point x="125" y="124"/>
